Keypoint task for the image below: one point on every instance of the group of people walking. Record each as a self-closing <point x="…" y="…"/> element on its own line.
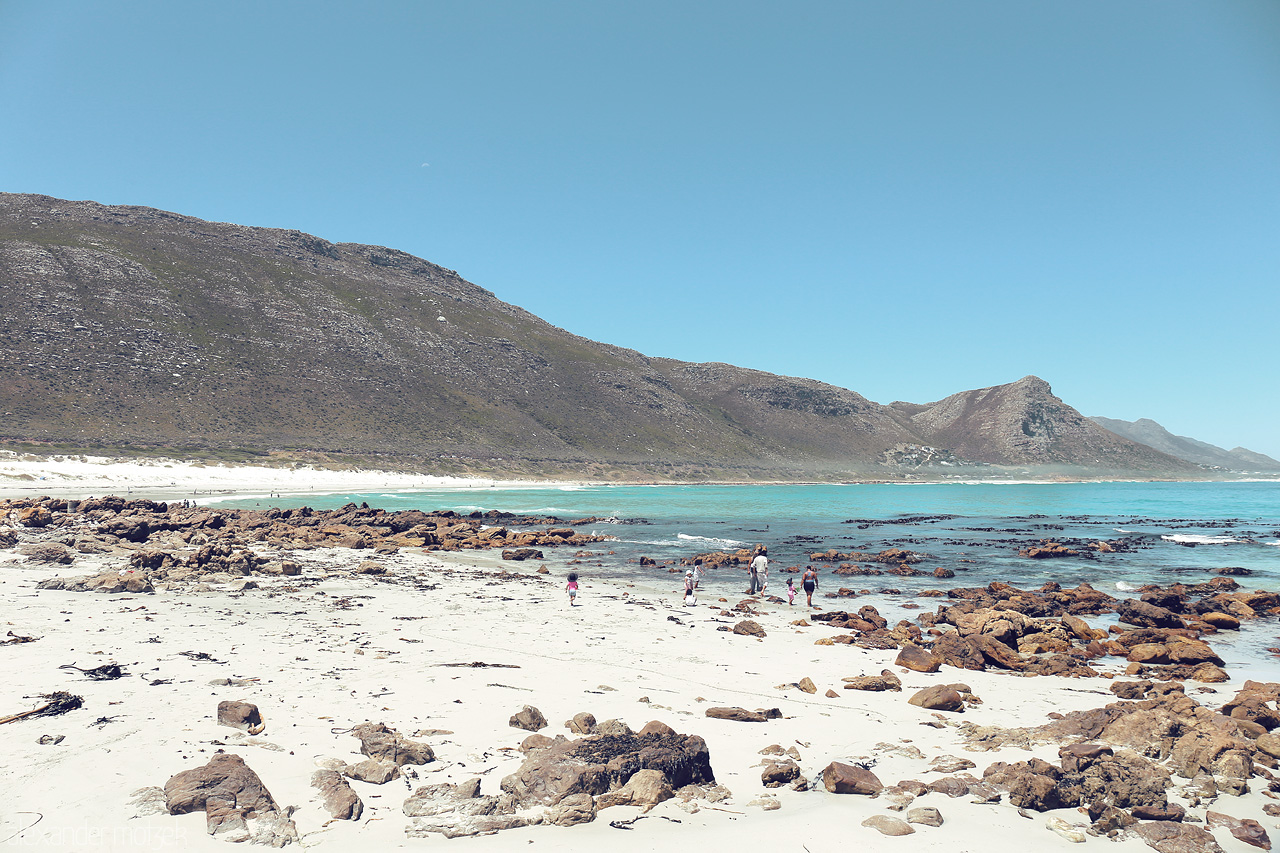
<point x="758" y="579"/>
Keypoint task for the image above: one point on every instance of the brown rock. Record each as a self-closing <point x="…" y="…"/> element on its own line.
<point x="915" y="658"/>
<point x="925" y="816"/>
<point x="645" y="789"/>
<point x="536" y="741"/>
<point x="1171" y="837"/>
<point x="336" y="795"/>
<point x="958" y="651"/>
<point x="741" y="715"/>
<point x="528" y="718"/>
<point x="379" y="742"/>
<point x="1247" y="830"/>
<point x="888" y="825"/>
<point x="231" y="795"/>
<point x="581" y="724"/>
<point x="748" y="627"/>
<point x="241" y="715"/>
<point x="779" y="773"/>
<point x="806" y="685"/>
<point x="522" y="554"/>
<point x="940" y="697"/>
<point x="376" y="771"/>
<point x="839" y="778"/>
<point x="573" y="810"/>
<point x="655" y="727"/>
<point x="886" y="680"/>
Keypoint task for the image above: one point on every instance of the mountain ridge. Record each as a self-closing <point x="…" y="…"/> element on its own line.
<point x="134" y="327"/>
<point x="1148" y="432"/>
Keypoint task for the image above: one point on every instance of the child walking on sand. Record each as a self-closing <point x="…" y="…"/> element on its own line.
<point x="791" y="591"/>
<point x="572" y="587"/>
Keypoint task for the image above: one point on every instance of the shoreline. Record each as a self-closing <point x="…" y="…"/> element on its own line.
<point x="168" y="479"/>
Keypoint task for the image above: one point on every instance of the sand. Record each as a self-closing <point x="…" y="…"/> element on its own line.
<point x="330" y="649"/>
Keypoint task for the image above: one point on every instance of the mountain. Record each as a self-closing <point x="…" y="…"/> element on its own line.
<point x="1024" y="423"/>
<point x="1148" y="432"/>
<point x="129" y="327"/>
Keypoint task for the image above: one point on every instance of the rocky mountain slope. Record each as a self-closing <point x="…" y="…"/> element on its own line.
<point x="1148" y="432"/>
<point x="132" y="327"/>
<point x="1024" y="423"/>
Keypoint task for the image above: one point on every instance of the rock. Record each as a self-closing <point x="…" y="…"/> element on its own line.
<point x="925" y="816"/>
<point x="741" y="715"/>
<point x="1247" y="830"/>
<point x="840" y="778"/>
<point x="940" y="697"/>
<point x="748" y="627"/>
<point x="378" y="741"/>
<point x="896" y="798"/>
<point x="231" y="795"/>
<point x="778" y="773"/>
<point x="915" y="658"/>
<point x="457" y="811"/>
<point x="369" y="567"/>
<point x="522" y="554"/>
<point x="806" y="685"/>
<point x="888" y="825"/>
<point x="655" y="727"/>
<point x="950" y="764"/>
<point x="766" y="802"/>
<point x="535" y="741"/>
<point x="1110" y="819"/>
<point x="1169" y="837"/>
<point x="958" y="651"/>
<point x="1146" y="615"/>
<point x="1167" y="811"/>
<point x="241" y="715"/>
<point x="47" y="552"/>
<point x="528" y="718"/>
<point x="886" y="680"/>
<point x="613" y="727"/>
<point x="1066" y="830"/>
<point x="601" y="763"/>
<point x="336" y="795"/>
<point x="1221" y="621"/>
<point x="376" y="771"/>
<point x="581" y="724"/>
<point x="572" y="810"/>
<point x="831" y="694"/>
<point x="951" y="786"/>
<point x="645" y="789"/>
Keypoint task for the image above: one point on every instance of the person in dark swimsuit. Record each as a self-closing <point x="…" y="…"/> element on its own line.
<point x="810" y="582"/>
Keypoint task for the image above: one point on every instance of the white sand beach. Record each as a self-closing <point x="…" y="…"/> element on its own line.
<point x="327" y="649"/>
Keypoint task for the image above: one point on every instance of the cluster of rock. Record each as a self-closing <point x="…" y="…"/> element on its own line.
<point x="1041" y="631"/>
<point x="171" y="542"/>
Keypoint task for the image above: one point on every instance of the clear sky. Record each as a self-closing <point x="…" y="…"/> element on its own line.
<point x="905" y="198"/>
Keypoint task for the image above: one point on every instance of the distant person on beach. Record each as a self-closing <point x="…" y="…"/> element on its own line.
<point x="809" y="580"/>
<point x="572" y="587"/>
<point x="759" y="570"/>
<point x="791" y="591"/>
<point x="689" y="597"/>
<point x="697" y="572"/>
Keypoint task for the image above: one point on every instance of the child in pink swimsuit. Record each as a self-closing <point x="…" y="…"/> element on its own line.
<point x="572" y="587"/>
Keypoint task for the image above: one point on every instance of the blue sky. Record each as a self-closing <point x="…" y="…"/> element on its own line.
<point x="908" y="199"/>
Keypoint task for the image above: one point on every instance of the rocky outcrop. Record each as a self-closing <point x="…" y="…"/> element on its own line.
<point x="385" y="744"/>
<point x="336" y="795"/>
<point x="235" y="802"/>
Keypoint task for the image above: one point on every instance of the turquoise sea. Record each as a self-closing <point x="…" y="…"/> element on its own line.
<point x="1166" y="533"/>
<point x="1171" y="531"/>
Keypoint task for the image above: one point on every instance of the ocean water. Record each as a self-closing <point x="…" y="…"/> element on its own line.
<point x="1170" y="532"/>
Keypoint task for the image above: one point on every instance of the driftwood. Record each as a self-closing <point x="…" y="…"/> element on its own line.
<point x="56" y="703"/>
<point x="106" y="672"/>
<point x="17" y="638"/>
<point x="479" y="664"/>
<point x="626" y="824"/>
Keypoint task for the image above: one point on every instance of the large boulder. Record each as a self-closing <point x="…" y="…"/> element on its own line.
<point x="601" y="763"/>
<point x="841" y="778"/>
<point x="379" y="742"/>
<point x="645" y="789"/>
<point x="1146" y="615"/>
<point x="241" y="715"/>
<point x="231" y="795"/>
<point x="940" y="697"/>
<point x="915" y="658"/>
<point x="456" y="811"/>
<point x="528" y="718"/>
<point x="336" y="795"/>
<point x="1172" y="837"/>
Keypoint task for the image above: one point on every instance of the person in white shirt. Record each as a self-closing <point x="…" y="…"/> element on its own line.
<point x="759" y="571"/>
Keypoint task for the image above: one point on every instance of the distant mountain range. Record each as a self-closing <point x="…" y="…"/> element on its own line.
<point x="128" y="329"/>
<point x="1150" y="433"/>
